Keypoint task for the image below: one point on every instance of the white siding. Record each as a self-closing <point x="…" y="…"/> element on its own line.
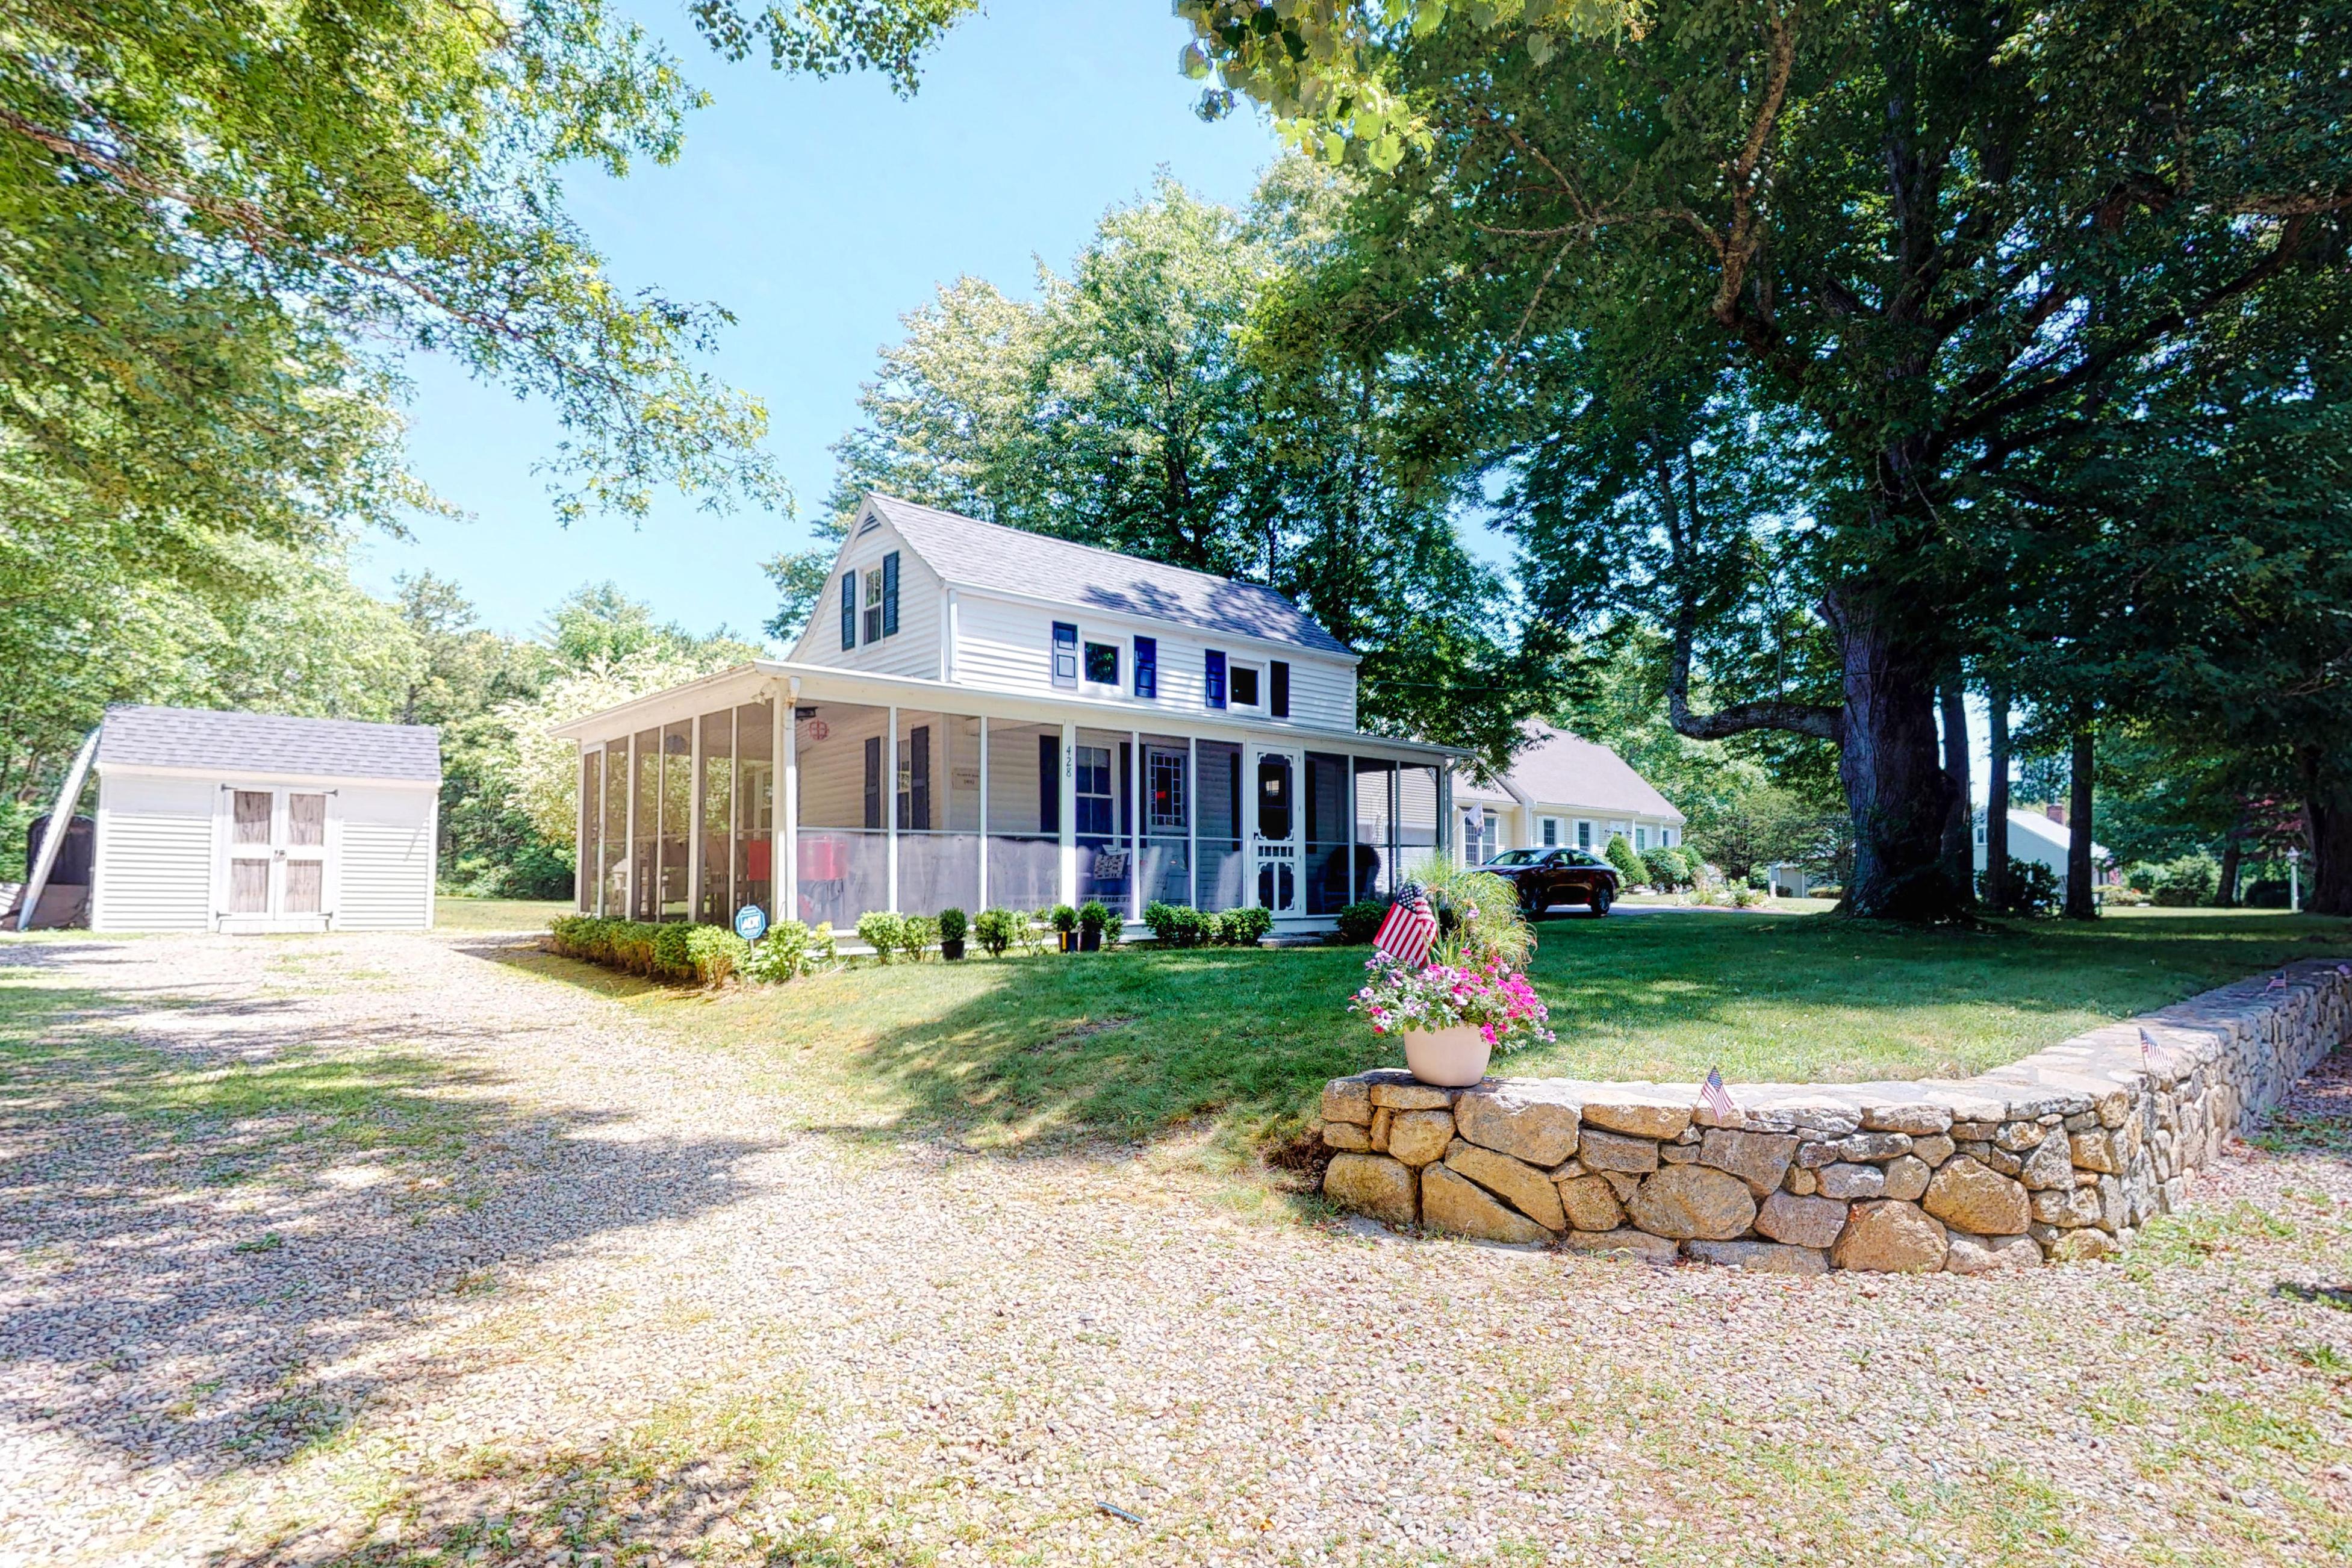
<point x="385" y="858"/>
<point x="1004" y="646"/>
<point x="914" y="649"/>
<point x="155" y="854"/>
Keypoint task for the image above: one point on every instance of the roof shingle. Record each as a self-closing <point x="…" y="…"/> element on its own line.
<point x="259" y="744"/>
<point x="968" y="552"/>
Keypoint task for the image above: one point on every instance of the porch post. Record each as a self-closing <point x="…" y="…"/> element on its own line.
<point x="629" y="841"/>
<point x="1135" y="828"/>
<point x="603" y="790"/>
<point x="694" y="821"/>
<point x="1353" y="895"/>
<point x="983" y="813"/>
<point x="890" y="807"/>
<point x="1069" y="815"/>
<point x="1445" y="825"/>
<point x="784" y="834"/>
<point x="1193" y="820"/>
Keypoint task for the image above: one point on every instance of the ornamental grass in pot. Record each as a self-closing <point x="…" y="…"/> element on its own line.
<point x="1469" y="999"/>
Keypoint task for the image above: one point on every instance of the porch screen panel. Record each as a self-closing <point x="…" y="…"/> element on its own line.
<point x="1106" y="781"/>
<point x="612" y="870"/>
<point x="1416" y="815"/>
<point x="1025" y="835"/>
<point x="844" y="836"/>
<point x="938" y="806"/>
<point x="714" y="901"/>
<point x="1166" y="865"/>
<point x="589" y="853"/>
<point x="755" y="808"/>
<point x="1327" y="867"/>
<point x="644" y="902"/>
<point x="1217" y="881"/>
<point x="677" y="820"/>
<point x="1375" y="827"/>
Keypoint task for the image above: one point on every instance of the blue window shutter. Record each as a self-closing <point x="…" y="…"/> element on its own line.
<point x="1066" y="653"/>
<point x="891" y="594"/>
<point x="1147" y="666"/>
<point x="1278" y="693"/>
<point x="849" y="609"/>
<point x="1216" y="680"/>
<point x="1049" y="784"/>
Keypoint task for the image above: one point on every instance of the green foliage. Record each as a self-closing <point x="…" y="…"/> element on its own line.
<point x="1360" y="921"/>
<point x="2191" y="881"/>
<point x="1670" y="866"/>
<point x="1620" y="852"/>
<point x="670" y="951"/>
<point x="953" y="924"/>
<point x="1062" y="919"/>
<point x="1178" y="925"/>
<point x="2033" y="888"/>
<point x="786" y="952"/>
<point x="1242" y="928"/>
<point x="918" y="934"/>
<point x="1478" y="918"/>
<point x="883" y="931"/>
<point x="1759" y="825"/>
<point x="998" y="929"/>
<point x="1094" y="917"/>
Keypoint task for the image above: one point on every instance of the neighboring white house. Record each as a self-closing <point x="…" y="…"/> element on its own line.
<point x="250" y="822"/>
<point x="2038" y="836"/>
<point x="1564" y="790"/>
<point x="985" y="716"/>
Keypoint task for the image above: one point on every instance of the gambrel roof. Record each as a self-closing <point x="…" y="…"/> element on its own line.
<point x="967" y="553"/>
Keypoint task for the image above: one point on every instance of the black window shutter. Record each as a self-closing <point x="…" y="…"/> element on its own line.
<point x="874" y="781"/>
<point x="1126" y="810"/>
<point x="1215" y="679"/>
<point x="849" y="609"/>
<point x="1147" y="666"/>
<point x="891" y="594"/>
<point x="919" y="749"/>
<point x="1280" y="695"/>
<point x="1049" y="784"/>
<point x="1066" y="653"/>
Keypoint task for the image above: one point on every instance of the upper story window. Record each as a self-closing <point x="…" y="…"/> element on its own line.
<point x="880" y="598"/>
<point x="1246" y="680"/>
<point x="874" y="604"/>
<point x="1102" y="664"/>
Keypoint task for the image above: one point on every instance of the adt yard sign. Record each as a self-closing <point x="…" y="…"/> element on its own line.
<point x="750" y="922"/>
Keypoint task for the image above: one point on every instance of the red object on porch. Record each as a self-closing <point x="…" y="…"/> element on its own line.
<point x="758" y="861"/>
<point x="824" y="860"/>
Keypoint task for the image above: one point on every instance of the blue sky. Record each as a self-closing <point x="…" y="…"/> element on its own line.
<point x="818" y="212"/>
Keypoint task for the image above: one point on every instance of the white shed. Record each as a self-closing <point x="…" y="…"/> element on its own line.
<point x="253" y="822"/>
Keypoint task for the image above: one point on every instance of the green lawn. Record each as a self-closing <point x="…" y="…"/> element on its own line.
<point x="1135" y="1043"/>
<point x="497" y="914"/>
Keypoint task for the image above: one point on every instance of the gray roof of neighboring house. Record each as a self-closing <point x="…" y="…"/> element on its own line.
<point x="1558" y="769"/>
<point x="970" y="552"/>
<point x="264" y="743"/>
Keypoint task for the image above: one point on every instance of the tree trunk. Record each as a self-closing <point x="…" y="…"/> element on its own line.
<point x="1896" y="787"/>
<point x="1996" y="884"/>
<point x="2327" y="808"/>
<point x="2080" y="905"/>
<point x="1959" y="848"/>
<point x="2233" y="850"/>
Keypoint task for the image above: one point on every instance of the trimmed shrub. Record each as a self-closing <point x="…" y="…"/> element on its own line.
<point x="1360" y="921"/>
<point x="917" y="934"/>
<point x="1241" y="928"/>
<point x="998" y="929"/>
<point x="671" y="951"/>
<point x="2033" y="888"/>
<point x="883" y="931"/>
<point x="2190" y="882"/>
<point x="1621" y="854"/>
<point x="951" y="925"/>
<point x="1064" y="918"/>
<point x="1177" y="925"/>
<point x="782" y="954"/>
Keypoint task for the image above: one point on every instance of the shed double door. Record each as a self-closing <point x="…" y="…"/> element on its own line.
<point x="275" y="870"/>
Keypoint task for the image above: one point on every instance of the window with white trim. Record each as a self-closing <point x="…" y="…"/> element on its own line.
<point x="1551" y="831"/>
<point x="1584" y="835"/>
<point x="1247" y="686"/>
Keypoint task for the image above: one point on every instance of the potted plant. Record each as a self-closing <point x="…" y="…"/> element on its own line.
<point x="1066" y="926"/>
<point x="1469" y="1000"/>
<point x="1094" y="916"/>
<point x="951" y="927"/>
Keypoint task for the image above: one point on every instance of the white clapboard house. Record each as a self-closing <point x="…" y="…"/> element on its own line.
<point x="252" y="822"/>
<point x="983" y="716"/>
<point x="1563" y="790"/>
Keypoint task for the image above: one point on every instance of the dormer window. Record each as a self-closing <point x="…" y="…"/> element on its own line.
<point x="874" y="605"/>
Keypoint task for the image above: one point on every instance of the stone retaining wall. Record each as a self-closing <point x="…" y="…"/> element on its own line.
<point x="2061" y="1155"/>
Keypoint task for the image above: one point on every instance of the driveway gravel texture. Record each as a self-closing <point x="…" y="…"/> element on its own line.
<point x="386" y="1249"/>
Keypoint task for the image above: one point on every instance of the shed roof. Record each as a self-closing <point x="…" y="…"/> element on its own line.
<point x="1563" y="770"/>
<point x="259" y="744"/>
<point x="970" y="552"/>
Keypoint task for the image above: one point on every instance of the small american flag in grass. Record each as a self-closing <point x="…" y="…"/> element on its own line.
<point x="1406" y="935"/>
<point x="1716" y="1097"/>
<point x="2147" y="1049"/>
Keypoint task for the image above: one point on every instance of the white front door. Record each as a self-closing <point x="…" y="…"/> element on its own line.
<point x="1274" y="829"/>
<point x="275" y="872"/>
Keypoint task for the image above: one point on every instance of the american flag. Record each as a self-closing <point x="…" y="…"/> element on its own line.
<point x="1406" y="934"/>
<point x="2278" y="982"/>
<point x="2147" y="1049"/>
<point x="1716" y="1097"/>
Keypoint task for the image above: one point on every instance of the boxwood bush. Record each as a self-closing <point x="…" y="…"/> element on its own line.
<point x="671" y="951"/>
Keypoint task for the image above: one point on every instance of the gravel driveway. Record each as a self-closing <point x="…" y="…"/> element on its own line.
<point x="384" y="1249"/>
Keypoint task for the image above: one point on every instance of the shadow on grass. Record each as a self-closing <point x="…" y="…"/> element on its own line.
<point x="212" y="1214"/>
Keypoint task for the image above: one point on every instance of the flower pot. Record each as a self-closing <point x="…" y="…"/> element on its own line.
<point x="1449" y="1058"/>
<point x="1089" y="941"/>
<point x="952" y="947"/>
<point x="1069" y="941"/>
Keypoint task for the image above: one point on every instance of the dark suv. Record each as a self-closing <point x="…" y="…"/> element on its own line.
<point x="1548" y="877"/>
